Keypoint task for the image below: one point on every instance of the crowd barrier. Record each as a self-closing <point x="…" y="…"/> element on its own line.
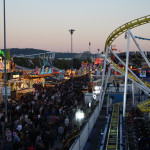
<point x="81" y="140"/>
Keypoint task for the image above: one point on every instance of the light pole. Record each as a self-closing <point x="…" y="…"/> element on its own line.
<point x="98" y="52"/>
<point x="71" y="32"/>
<point x="5" y="64"/>
<point x="89" y="46"/>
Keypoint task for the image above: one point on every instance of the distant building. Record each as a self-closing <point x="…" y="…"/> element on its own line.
<point x="84" y="55"/>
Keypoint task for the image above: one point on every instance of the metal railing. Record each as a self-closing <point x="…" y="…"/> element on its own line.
<point x="84" y="134"/>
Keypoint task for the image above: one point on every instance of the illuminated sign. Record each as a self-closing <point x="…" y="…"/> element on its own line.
<point x="97" y="89"/>
<point x="2" y="53"/>
<point x="143" y="73"/>
<point x="15" y="76"/>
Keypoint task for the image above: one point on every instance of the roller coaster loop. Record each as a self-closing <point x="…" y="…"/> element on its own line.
<point x="129" y="25"/>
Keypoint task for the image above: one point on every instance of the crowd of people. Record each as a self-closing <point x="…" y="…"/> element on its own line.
<point x="39" y="119"/>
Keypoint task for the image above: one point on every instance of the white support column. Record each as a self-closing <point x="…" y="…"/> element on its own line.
<point x="140" y="49"/>
<point x="108" y="103"/>
<point x="103" y="75"/>
<point x="126" y="75"/>
<point x="106" y="81"/>
<point x="133" y="100"/>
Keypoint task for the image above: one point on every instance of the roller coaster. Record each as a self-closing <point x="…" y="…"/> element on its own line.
<point x="144" y="86"/>
<point x="112" y="137"/>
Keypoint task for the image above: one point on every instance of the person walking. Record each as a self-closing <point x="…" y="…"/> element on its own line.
<point x="117" y="87"/>
<point x="66" y="121"/>
<point x="38" y="140"/>
<point x="60" y="132"/>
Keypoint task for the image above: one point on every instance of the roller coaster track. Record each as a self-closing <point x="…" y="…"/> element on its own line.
<point x="129" y="74"/>
<point x="112" y="140"/>
<point x="120" y="30"/>
<point x="143" y="106"/>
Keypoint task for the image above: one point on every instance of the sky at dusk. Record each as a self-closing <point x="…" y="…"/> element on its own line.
<point x="45" y="24"/>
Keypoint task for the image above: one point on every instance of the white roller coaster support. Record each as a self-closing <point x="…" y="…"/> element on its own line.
<point x="126" y="75"/>
<point x="133" y="93"/>
<point x="106" y="81"/>
<point x="131" y="71"/>
<point x="103" y="75"/>
<point x="108" y="103"/>
<point x="140" y="49"/>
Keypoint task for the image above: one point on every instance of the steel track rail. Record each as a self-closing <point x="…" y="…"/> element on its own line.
<point x="129" y="25"/>
<point x="120" y="30"/>
<point x="112" y="140"/>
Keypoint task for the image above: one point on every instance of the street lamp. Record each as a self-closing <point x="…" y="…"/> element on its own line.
<point x="79" y="117"/>
<point x="5" y="64"/>
<point x="98" y="52"/>
<point x="89" y="46"/>
<point x="71" y="32"/>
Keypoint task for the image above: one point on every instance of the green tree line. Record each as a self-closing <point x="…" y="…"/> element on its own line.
<point x="59" y="63"/>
